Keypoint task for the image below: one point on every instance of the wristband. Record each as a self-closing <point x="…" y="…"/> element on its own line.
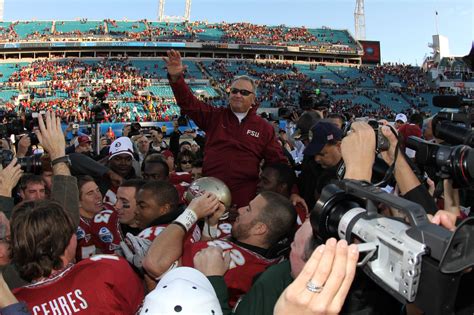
<point x="210" y="231"/>
<point x="187" y="219"/>
<point x="63" y="159"/>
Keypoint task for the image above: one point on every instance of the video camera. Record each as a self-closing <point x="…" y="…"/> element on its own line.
<point x="10" y="124"/>
<point x="100" y="106"/>
<point x="455" y="128"/>
<point x="313" y="99"/>
<point x="455" y="162"/>
<point x="417" y="262"/>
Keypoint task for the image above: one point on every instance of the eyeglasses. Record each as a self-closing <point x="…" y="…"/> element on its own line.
<point x="186" y="162"/>
<point x="242" y="92"/>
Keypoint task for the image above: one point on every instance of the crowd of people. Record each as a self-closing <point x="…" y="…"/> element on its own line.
<point x="69" y="88"/>
<point x="238" y="33"/>
<point x="215" y="222"/>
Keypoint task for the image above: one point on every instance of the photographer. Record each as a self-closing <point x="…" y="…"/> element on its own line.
<point x="408" y="183"/>
<point x="64" y="186"/>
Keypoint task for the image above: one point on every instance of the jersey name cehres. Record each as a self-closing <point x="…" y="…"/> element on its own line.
<point x="70" y="303"/>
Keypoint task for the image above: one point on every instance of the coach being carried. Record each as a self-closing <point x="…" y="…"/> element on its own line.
<point x="237" y="138"/>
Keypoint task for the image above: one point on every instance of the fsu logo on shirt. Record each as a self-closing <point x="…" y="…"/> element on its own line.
<point x="253" y="133"/>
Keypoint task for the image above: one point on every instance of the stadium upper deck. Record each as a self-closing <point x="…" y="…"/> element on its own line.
<point x="236" y="33"/>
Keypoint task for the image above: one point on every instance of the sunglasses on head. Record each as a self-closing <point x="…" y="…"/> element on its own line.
<point x="242" y="92"/>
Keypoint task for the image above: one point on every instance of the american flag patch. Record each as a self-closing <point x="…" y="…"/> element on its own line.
<point x="330" y="137"/>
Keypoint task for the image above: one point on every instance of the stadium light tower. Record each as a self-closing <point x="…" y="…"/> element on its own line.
<point x="161" y="11"/>
<point x="2" y="5"/>
<point x="359" y="20"/>
<point x="162" y="17"/>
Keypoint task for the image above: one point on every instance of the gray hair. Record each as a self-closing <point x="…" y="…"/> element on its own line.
<point x="248" y="79"/>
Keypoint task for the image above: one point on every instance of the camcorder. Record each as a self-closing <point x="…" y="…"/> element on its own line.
<point x="29" y="164"/>
<point x="416" y="262"/>
<point x="10" y="124"/>
<point x="454" y="159"/>
<point x="100" y="106"/>
<point x="314" y="99"/>
<point x="14" y="125"/>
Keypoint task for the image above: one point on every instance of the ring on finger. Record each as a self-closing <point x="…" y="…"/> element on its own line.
<point x="313" y="287"/>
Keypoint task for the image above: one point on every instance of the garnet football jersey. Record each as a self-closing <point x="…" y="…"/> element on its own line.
<point x="102" y="284"/>
<point x="244" y="265"/>
<point x="105" y="230"/>
<point x="193" y="235"/>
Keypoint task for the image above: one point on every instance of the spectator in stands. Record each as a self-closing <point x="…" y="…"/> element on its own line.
<point x="32" y="187"/>
<point x="231" y="158"/>
<point x="103" y="284"/>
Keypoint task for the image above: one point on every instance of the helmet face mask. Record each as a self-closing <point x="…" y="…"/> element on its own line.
<point x="209" y="184"/>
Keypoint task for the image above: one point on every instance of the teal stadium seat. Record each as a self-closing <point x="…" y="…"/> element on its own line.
<point x="131" y="27"/>
<point x="24" y="29"/>
<point x="73" y="26"/>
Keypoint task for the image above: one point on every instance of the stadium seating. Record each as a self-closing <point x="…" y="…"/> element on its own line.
<point x="28" y="29"/>
<point x="124" y="27"/>
<point x="78" y="26"/>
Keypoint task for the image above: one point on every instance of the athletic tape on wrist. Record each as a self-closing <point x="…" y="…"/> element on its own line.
<point x="187" y="219"/>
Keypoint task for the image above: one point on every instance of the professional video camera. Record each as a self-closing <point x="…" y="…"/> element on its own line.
<point x="455" y="128"/>
<point x="454" y="162"/>
<point x="314" y="99"/>
<point x="417" y="262"/>
<point x="100" y="106"/>
<point x="29" y="164"/>
<point x="10" y="124"/>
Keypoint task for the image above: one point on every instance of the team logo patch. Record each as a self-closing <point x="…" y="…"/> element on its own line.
<point x="118" y="144"/>
<point x="105" y="235"/>
<point x="80" y="234"/>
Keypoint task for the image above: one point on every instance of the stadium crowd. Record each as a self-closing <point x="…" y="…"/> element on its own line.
<point x="142" y="30"/>
<point x="217" y="222"/>
<point x="69" y="87"/>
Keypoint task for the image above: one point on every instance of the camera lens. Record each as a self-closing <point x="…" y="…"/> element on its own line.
<point x="31" y="164"/>
<point x="329" y="209"/>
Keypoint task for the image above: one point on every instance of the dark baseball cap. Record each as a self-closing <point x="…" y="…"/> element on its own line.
<point x="323" y="132"/>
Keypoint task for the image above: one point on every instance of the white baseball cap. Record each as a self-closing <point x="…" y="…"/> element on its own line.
<point x="182" y="291"/>
<point x="401" y="117"/>
<point x="122" y="145"/>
